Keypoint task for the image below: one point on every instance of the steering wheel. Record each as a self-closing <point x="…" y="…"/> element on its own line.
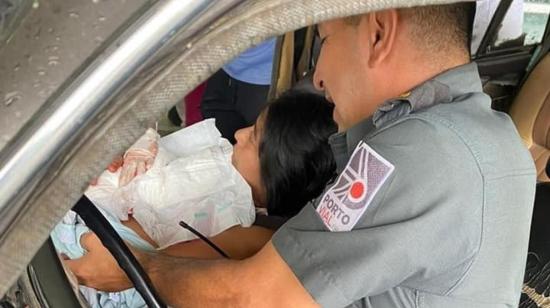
<point x="122" y="254"/>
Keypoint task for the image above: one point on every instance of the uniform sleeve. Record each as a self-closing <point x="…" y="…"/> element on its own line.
<point x="421" y="229"/>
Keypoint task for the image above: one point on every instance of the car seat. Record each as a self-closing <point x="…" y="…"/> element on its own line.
<point x="530" y="112"/>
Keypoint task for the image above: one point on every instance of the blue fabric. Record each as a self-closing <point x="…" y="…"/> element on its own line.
<point x="254" y="65"/>
<point x="66" y="239"/>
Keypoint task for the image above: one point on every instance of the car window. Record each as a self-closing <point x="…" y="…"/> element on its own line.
<point x="523" y="25"/>
<point x="536" y="17"/>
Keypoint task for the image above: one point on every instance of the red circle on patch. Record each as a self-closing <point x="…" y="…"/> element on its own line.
<point x="357" y="189"/>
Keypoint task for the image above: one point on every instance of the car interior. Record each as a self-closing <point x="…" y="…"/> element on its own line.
<point x="515" y="73"/>
<point x="531" y="114"/>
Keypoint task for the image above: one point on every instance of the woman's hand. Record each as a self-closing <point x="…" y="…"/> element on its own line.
<point x="136" y="162"/>
<point x="138" y="158"/>
<point x="97" y="268"/>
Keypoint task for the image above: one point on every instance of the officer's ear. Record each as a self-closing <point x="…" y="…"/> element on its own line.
<point x="380" y="28"/>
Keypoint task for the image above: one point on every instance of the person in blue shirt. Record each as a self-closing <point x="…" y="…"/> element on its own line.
<point x="236" y="94"/>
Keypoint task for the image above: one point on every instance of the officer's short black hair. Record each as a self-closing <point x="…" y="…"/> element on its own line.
<point x="438" y="28"/>
<point x="296" y="161"/>
<point x="442" y="28"/>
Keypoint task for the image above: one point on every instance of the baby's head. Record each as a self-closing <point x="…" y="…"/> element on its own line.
<point x="285" y="156"/>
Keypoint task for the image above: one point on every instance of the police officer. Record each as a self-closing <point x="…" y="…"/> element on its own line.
<point x="432" y="204"/>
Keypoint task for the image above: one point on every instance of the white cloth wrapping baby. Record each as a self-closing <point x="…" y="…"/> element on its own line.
<point x="192" y="179"/>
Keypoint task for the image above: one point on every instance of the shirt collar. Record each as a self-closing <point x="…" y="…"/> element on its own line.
<point x="461" y="80"/>
<point x="444" y="88"/>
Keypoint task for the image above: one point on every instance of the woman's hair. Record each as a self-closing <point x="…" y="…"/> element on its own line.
<point x="296" y="160"/>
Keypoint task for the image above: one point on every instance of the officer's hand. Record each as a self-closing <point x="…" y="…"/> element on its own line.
<point x="97" y="268"/>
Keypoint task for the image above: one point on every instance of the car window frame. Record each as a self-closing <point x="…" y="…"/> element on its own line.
<point x="493" y="29"/>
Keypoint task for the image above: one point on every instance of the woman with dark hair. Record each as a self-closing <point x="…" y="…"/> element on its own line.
<point x="294" y="158"/>
<point x="287" y="161"/>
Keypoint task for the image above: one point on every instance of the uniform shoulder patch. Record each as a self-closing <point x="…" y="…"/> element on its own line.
<point x="345" y="202"/>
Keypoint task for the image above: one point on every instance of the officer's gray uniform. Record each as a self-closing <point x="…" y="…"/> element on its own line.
<point x="448" y="228"/>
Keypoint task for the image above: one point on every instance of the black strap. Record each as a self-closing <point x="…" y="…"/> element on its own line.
<point x="112" y="241"/>
<point x="548" y="167"/>
<point x="203" y="238"/>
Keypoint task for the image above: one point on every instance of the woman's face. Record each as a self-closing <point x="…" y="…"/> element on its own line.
<point x="247" y="161"/>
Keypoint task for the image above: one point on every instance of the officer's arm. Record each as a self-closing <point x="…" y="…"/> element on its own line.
<point x="237" y="242"/>
<point x="263" y="280"/>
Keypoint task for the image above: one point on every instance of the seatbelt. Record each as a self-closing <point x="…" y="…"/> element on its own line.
<point x="541" y="51"/>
